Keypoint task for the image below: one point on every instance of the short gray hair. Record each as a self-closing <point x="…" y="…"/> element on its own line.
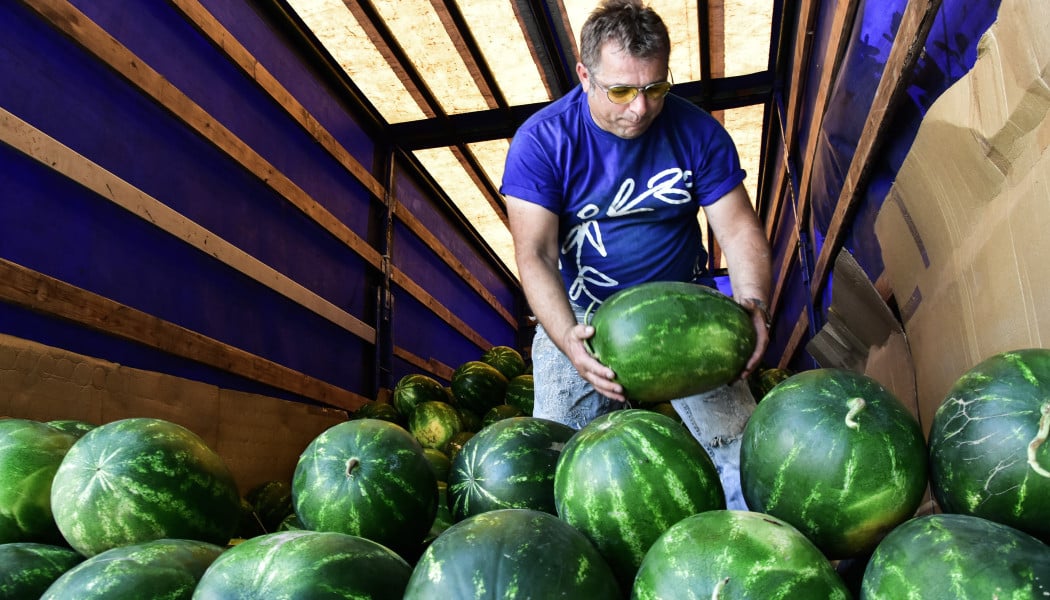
<point x="636" y="28"/>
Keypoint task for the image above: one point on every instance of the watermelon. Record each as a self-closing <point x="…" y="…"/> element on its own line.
<point x="509" y="464"/>
<point x="454" y="445"/>
<point x="521" y="392"/>
<point x="380" y="410"/>
<point x="305" y="564"/>
<point x="500" y="412"/>
<point x="444" y="519"/>
<point x="30" y="454"/>
<point x="836" y="455"/>
<point x="988" y="452"/>
<point x="368" y="478"/>
<point x="478" y="386"/>
<point x="471" y="420"/>
<point x="151" y="479"/>
<point x="761" y="381"/>
<point x="511" y="553"/>
<point x="667" y="340"/>
<point x="665" y="408"/>
<point x="957" y="557"/>
<point x="290" y="523"/>
<point x="439" y="461"/>
<point x="27" y="569"/>
<point x="167" y="568"/>
<point x="735" y="554"/>
<point x="414" y="389"/>
<point x="271" y="501"/>
<point x="507" y="360"/>
<point x="433" y="423"/>
<point x="74" y="427"/>
<point x="248" y="523"/>
<point x="626" y="477"/>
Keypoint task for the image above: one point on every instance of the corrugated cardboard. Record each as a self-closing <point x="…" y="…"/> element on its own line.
<point x="260" y="438"/>
<point x="965" y="230"/>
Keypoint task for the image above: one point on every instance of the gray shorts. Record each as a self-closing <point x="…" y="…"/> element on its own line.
<point x="716" y="418"/>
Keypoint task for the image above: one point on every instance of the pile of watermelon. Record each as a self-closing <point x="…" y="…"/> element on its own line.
<point x="439" y="494"/>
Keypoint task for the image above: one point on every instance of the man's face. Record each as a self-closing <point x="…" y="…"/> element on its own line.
<point x="616" y="67"/>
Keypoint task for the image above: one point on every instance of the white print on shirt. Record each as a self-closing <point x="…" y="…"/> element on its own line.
<point x="663" y="187"/>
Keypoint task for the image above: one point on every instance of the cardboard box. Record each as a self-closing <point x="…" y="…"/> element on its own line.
<point x="260" y="438"/>
<point x="964" y="229"/>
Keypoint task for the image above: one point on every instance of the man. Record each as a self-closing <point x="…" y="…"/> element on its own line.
<point x="603" y="188"/>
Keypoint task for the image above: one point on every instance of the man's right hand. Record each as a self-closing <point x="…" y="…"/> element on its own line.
<point x="600" y="376"/>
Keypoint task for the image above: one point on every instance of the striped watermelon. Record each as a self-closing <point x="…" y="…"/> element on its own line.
<point x="367" y="478"/>
<point x="735" y="554"/>
<point x="507" y="360"/>
<point x="957" y="557"/>
<point x="511" y="553"/>
<point x="414" y="389"/>
<point x="836" y="455"/>
<point x="305" y="564"/>
<point x="151" y="479"/>
<point x="478" y="386"/>
<point x="667" y="339"/>
<point x="500" y="412"/>
<point x="439" y="461"/>
<point x="74" y="427"/>
<point x="988" y="452"/>
<point x="433" y="423"/>
<point x="27" y="569"/>
<point x="521" y="392"/>
<point x="30" y="453"/>
<point x="456" y="443"/>
<point x="509" y="464"/>
<point x="629" y="475"/>
<point x="168" y="568"/>
<point x="271" y="501"/>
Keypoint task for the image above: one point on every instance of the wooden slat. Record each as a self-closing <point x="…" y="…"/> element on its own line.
<point x="38" y="292"/>
<point x="908" y="46"/>
<point x="434" y="367"/>
<point x="797" y="335"/>
<point x="38" y="145"/>
<point x="406" y="283"/>
<point x="67" y="19"/>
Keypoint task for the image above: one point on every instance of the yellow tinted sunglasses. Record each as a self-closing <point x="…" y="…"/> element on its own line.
<point x="623" y="94"/>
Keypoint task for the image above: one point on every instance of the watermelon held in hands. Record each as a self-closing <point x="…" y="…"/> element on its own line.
<point x="27" y="569"/>
<point x="368" y="478"/>
<point x="626" y="477"/>
<point x="166" y="568"/>
<point x="478" y="386"/>
<point x="667" y="340"/>
<point x="734" y="554"/>
<point x="836" y="455"/>
<point x="150" y="479"/>
<point x="507" y="360"/>
<point x="957" y="557"/>
<point x="414" y="389"/>
<point x="30" y="454"/>
<point x="509" y="464"/>
<point x="305" y="564"/>
<point x="989" y="455"/>
<point x="511" y="553"/>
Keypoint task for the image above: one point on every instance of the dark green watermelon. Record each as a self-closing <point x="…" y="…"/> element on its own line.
<point x="507" y="360"/>
<point x="414" y="389"/>
<point x="988" y="452"/>
<point x="521" y="392"/>
<point x="383" y="411"/>
<point x="444" y="519"/>
<point x="478" y="386"/>
<point x="471" y="420"/>
<point x="305" y="564"/>
<point x="367" y="478"/>
<point x="736" y="555"/>
<point x="271" y="502"/>
<point x="511" y="553"/>
<point x="509" y="464"/>
<point x="626" y="477"/>
<point x="667" y="340"/>
<point x="30" y="454"/>
<point x="957" y="557"/>
<point x="433" y="423"/>
<point x="27" y="569"/>
<point x="142" y="479"/>
<point x="440" y="462"/>
<point x="74" y="427"/>
<point x="167" y="568"/>
<point x="454" y="445"/>
<point x="500" y="412"/>
<point x="836" y="455"/>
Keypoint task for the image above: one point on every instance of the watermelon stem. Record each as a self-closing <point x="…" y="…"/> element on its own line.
<point x="351" y="465"/>
<point x="1037" y="441"/>
<point x="718" y="589"/>
<point x="856" y="405"/>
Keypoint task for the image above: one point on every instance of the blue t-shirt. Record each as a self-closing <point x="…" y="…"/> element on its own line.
<point x="627" y="208"/>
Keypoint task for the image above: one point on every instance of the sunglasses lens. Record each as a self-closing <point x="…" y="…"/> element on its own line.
<point x="622" y="94"/>
<point x="658" y="90"/>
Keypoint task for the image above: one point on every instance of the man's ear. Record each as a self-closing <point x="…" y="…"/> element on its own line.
<point x="585" y="77"/>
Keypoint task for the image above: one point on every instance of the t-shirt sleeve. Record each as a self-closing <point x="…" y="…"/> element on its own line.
<point x="529" y="173"/>
<point x="720" y="170"/>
